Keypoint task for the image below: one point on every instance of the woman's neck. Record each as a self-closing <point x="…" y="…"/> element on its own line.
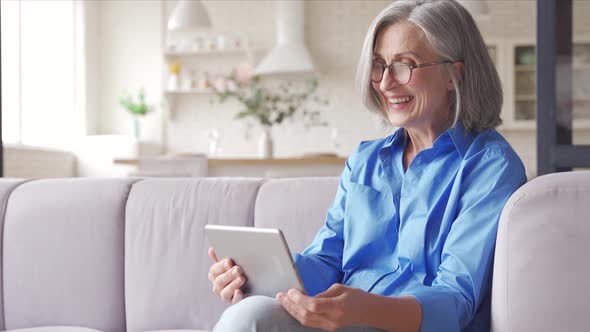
<point x="420" y="140"/>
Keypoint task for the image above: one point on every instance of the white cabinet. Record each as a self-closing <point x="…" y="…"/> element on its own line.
<point x="519" y="83"/>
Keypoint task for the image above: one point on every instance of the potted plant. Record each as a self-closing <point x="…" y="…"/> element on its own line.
<point x="137" y="109"/>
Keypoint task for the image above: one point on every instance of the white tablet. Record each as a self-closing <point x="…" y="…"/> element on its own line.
<point x="263" y="255"/>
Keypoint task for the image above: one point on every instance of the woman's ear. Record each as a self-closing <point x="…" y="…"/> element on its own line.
<point x="456" y="69"/>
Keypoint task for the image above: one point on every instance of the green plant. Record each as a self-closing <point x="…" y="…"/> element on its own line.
<point x="135" y="108"/>
<point x="270" y="106"/>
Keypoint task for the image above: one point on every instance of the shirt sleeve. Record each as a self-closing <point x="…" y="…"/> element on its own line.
<point x="320" y="264"/>
<point x="463" y="279"/>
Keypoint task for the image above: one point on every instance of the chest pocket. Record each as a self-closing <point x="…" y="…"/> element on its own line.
<point x="370" y="234"/>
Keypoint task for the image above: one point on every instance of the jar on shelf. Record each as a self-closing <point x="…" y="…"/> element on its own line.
<point x="173" y="79"/>
<point x="197" y="44"/>
<point x="208" y="44"/>
<point x="193" y="80"/>
<point x="220" y="42"/>
<point x="185" y="82"/>
<point x="204" y="81"/>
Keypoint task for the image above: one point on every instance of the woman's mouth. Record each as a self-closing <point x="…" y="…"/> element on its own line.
<point x="399" y="100"/>
<point x="399" y="103"/>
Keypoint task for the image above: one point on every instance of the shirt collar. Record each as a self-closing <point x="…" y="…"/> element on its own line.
<point x="461" y="138"/>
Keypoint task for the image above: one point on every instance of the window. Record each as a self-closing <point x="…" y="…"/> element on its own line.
<point x="39" y="73"/>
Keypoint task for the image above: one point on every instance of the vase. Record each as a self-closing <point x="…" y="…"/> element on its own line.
<point x="136" y="127"/>
<point x="265" y="144"/>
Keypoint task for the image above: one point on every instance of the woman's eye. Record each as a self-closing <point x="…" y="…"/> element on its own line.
<point x="408" y="62"/>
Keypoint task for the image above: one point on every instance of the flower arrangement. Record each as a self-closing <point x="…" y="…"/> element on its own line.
<point x="270" y="106"/>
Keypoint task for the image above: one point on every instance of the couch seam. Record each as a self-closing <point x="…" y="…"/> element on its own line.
<point x="130" y="187"/>
<point x="261" y="183"/>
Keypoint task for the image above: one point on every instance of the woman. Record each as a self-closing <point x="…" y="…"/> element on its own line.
<point x="408" y="243"/>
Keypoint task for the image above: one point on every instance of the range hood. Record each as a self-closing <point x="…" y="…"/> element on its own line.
<point x="290" y="55"/>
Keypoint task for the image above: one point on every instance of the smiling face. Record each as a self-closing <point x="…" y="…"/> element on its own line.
<point x="421" y="105"/>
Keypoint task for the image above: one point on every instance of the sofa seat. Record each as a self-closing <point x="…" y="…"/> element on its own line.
<point x="56" y="329"/>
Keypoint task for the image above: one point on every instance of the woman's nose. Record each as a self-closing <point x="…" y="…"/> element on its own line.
<point x="387" y="82"/>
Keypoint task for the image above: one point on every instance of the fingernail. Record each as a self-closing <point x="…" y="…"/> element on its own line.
<point x="235" y="271"/>
<point x="226" y="264"/>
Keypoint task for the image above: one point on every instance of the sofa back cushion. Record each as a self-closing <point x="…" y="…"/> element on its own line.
<point x="6" y="188"/>
<point x="166" y="262"/>
<point x="540" y="280"/>
<point x="297" y="206"/>
<point x="63" y="254"/>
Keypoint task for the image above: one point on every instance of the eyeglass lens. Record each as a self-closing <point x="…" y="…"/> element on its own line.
<point x="399" y="71"/>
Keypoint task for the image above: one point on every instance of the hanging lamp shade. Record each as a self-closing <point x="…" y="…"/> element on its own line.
<point x="188" y="15"/>
<point x="290" y="55"/>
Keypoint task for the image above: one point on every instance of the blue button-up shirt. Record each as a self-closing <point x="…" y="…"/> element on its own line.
<point x="427" y="232"/>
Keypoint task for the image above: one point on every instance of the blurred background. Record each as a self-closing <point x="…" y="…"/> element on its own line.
<point x="170" y="88"/>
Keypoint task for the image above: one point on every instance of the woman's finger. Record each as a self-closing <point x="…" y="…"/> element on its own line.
<point x="333" y="291"/>
<point x="225" y="279"/>
<point x="211" y="253"/>
<point x="313" y="304"/>
<point x="305" y="317"/>
<point x="220" y="268"/>
<point x="228" y="291"/>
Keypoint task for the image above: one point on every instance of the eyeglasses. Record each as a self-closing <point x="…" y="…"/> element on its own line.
<point x="400" y="72"/>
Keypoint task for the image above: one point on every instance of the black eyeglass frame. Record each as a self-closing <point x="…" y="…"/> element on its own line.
<point x="412" y="67"/>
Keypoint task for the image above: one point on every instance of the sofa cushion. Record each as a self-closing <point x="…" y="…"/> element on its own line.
<point x="63" y="254"/>
<point x="6" y="188"/>
<point x="166" y="262"/>
<point x="56" y="329"/>
<point x="540" y="270"/>
<point x="297" y="206"/>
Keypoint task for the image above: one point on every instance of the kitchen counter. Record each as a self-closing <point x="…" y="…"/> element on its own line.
<point x="312" y="165"/>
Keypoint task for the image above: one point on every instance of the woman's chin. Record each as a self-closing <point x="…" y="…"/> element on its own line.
<point x="397" y="118"/>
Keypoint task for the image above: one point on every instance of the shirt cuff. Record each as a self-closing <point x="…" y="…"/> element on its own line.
<point x="440" y="310"/>
<point x="316" y="275"/>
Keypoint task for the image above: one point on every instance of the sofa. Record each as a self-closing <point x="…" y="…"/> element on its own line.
<point x="129" y="254"/>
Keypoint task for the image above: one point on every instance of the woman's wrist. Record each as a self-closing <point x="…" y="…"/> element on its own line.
<point x="391" y="313"/>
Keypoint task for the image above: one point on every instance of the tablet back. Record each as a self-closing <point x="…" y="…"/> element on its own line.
<point x="263" y="255"/>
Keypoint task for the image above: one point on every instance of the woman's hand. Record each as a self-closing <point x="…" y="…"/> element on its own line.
<point x="227" y="278"/>
<point x="338" y="307"/>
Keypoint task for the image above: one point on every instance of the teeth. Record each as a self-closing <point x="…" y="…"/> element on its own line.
<point x="399" y="100"/>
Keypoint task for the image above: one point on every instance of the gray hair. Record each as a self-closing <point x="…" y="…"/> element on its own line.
<point x="453" y="34"/>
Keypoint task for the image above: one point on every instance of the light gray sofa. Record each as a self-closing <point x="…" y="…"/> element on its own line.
<point x="81" y="255"/>
<point x="130" y="254"/>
